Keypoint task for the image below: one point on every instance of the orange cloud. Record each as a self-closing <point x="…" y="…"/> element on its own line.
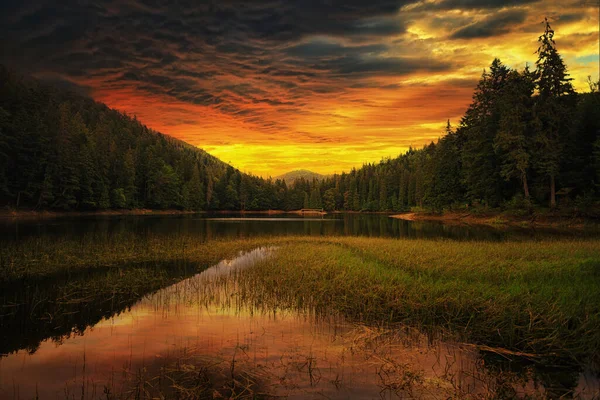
<point x="270" y="89"/>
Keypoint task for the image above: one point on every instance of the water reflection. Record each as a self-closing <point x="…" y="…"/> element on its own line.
<point x="208" y="227"/>
<point x="58" y="307"/>
<point x="227" y="267"/>
<point x="202" y="328"/>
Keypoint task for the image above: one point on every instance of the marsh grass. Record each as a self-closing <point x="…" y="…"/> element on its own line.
<point x="57" y="289"/>
<point x="303" y="374"/>
<point x="190" y="376"/>
<point x="534" y="298"/>
<point x="195" y="376"/>
<point x="42" y="257"/>
<point x="537" y="299"/>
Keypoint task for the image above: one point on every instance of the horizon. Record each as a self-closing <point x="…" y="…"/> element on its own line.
<point x="270" y="90"/>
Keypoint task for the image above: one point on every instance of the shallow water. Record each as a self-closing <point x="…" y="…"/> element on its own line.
<point x="202" y="327"/>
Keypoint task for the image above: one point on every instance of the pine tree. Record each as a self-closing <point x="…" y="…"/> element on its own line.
<point x="315" y="199"/>
<point x="5" y="147"/>
<point x="329" y="199"/>
<point x="128" y="177"/>
<point x="478" y="129"/>
<point x="552" y="108"/>
<point x="513" y="141"/>
<point x="594" y="99"/>
<point x="195" y="191"/>
<point x="403" y="189"/>
<point x="442" y="180"/>
<point x="410" y="196"/>
<point x="69" y="166"/>
<point x="383" y="196"/>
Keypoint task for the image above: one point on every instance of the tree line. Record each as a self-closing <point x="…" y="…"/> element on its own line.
<point x="60" y="150"/>
<point x="527" y="138"/>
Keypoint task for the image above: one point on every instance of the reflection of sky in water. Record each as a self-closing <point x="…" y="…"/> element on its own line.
<point x="201" y="316"/>
<point x="259" y="219"/>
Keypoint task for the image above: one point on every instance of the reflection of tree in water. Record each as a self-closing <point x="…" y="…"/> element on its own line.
<point x="349" y="224"/>
<point x="65" y="305"/>
<point x="58" y="307"/>
<point x="559" y="379"/>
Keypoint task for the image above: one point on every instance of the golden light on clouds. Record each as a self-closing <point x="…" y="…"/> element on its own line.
<point x="270" y="88"/>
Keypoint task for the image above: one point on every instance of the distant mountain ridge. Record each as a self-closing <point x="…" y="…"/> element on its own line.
<point x="292" y="176"/>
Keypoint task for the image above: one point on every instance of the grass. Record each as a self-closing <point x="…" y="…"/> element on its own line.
<point x="57" y="288"/>
<point x="43" y="257"/>
<point x="538" y="298"/>
<point x="535" y="298"/>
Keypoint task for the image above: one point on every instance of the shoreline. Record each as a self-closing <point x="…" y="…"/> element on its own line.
<point x="491" y="218"/>
<point x="498" y="219"/>
<point x="48" y="214"/>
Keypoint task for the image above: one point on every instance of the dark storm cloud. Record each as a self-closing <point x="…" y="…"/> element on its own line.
<point x="62" y="83"/>
<point x="359" y="61"/>
<point x="320" y="48"/>
<point x="494" y="25"/>
<point x="476" y="4"/>
<point x="243" y="58"/>
<point x="567" y="18"/>
<point x="188" y="51"/>
<point x="396" y="66"/>
<point x="47" y="28"/>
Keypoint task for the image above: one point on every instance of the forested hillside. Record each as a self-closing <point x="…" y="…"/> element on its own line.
<point x="59" y="150"/>
<point x="527" y="138"/>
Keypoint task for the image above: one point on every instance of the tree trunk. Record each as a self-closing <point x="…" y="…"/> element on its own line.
<point x="552" y="192"/>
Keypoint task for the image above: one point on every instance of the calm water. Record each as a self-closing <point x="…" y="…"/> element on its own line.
<point x="207" y="227"/>
<point x="57" y="341"/>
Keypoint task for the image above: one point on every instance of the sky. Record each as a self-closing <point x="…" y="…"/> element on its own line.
<point x="272" y="86"/>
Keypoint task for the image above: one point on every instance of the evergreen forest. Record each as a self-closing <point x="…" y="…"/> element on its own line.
<point x="527" y="139"/>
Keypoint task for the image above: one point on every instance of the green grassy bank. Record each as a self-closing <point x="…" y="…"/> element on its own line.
<point x="538" y="297"/>
<point x="541" y="298"/>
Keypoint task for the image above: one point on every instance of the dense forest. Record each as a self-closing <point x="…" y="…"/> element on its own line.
<point x="59" y="150"/>
<point x="527" y="138"/>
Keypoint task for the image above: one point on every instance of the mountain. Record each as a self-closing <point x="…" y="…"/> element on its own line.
<point x="292" y="176"/>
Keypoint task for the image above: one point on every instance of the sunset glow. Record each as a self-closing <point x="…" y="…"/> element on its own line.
<point x="276" y="86"/>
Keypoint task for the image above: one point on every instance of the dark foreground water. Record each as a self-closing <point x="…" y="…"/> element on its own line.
<point x="207" y="227"/>
<point x="59" y="341"/>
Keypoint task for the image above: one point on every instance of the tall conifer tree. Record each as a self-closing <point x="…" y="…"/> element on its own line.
<point x="552" y="108"/>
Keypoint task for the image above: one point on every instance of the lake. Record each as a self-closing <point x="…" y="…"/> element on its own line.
<point x="208" y="227"/>
<point x="187" y="338"/>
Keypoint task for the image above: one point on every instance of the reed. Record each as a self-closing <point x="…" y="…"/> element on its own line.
<point x="537" y="298"/>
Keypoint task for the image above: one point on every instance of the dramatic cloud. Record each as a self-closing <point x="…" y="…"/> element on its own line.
<point x="276" y="84"/>
<point x="493" y="25"/>
<point x="478" y="4"/>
